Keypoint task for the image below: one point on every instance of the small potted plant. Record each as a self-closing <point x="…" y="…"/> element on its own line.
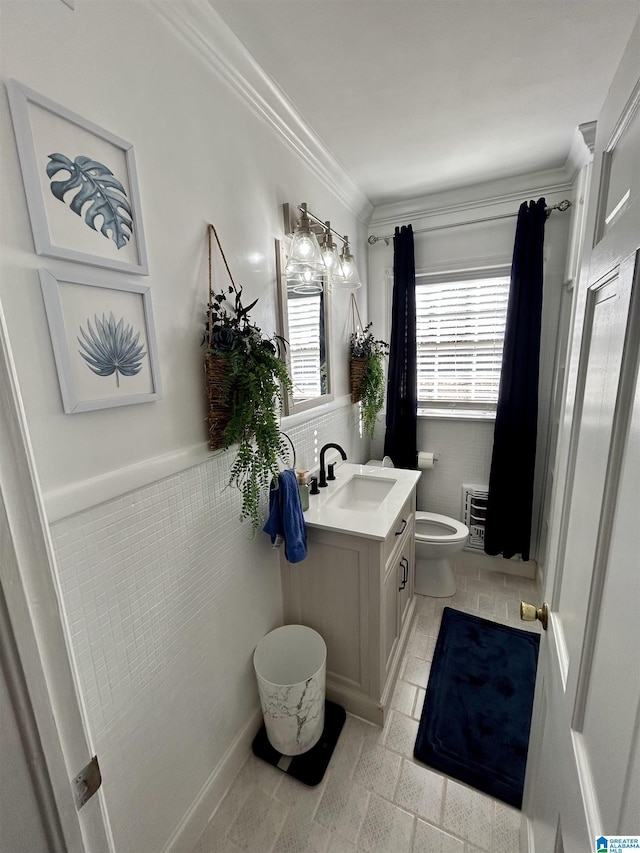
<point x="366" y="374"/>
<point x="246" y="380"/>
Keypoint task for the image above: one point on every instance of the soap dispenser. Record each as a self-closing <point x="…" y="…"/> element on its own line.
<point x="303" y="488"/>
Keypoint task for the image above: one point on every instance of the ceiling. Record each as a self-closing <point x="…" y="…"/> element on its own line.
<point x="414" y="97"/>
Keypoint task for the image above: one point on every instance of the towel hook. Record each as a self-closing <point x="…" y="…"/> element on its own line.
<point x="293" y="449"/>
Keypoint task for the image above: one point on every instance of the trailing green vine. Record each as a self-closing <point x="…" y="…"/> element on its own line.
<point x="255" y="387"/>
<point x="258" y="380"/>
<point x="373" y="386"/>
<point x="372" y="391"/>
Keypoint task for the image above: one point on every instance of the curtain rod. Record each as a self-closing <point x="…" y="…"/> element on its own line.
<point x="563" y="205"/>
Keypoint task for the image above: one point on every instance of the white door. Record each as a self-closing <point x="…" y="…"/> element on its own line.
<point x="583" y="775"/>
<point x="22" y="828"/>
<point x="44" y="701"/>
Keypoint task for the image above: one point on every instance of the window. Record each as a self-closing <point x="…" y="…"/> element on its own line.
<point x="460" y="324"/>
<point x="304" y="346"/>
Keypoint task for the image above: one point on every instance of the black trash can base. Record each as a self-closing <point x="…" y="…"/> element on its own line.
<point x="310" y="767"/>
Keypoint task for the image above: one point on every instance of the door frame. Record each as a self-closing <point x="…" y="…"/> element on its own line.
<point x="53" y="722"/>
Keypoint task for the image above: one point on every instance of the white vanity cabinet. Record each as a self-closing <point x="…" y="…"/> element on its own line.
<point x="357" y="592"/>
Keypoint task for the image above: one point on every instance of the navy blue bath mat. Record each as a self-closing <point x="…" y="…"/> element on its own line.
<point x="477" y="711"/>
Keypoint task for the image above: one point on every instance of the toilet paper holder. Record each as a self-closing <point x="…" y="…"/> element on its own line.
<point x="427" y="459"/>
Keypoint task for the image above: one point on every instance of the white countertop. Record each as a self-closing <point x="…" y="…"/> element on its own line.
<point x="371" y="525"/>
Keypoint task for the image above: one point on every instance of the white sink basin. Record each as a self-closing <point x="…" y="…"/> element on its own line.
<point x="361" y="493"/>
<point x="364" y="501"/>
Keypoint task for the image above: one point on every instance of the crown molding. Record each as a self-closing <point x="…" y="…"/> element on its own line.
<point x="495" y="194"/>
<point x="588" y="133"/>
<point x="207" y="34"/>
<point x="582" y="147"/>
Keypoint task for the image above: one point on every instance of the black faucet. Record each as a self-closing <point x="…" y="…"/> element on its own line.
<point x="323" y="474"/>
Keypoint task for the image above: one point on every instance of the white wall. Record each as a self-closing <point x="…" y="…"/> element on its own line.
<point x="163" y="593"/>
<point x="465" y="446"/>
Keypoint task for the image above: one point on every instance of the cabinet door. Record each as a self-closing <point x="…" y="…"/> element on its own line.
<point x="396" y="595"/>
<point x="329" y="592"/>
<point x="404" y="596"/>
<point x="390" y="626"/>
<point x="406" y="592"/>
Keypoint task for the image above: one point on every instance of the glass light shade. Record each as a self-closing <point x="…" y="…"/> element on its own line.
<point x="351" y="280"/>
<point x="305" y="249"/>
<point x="309" y="287"/>
<point x="305" y="281"/>
<point x="332" y="263"/>
<point x="330" y="254"/>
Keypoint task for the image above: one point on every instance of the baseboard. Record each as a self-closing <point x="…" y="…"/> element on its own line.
<point x="356" y="703"/>
<point x="527" y="841"/>
<point x="476" y="559"/>
<point x="199" y="814"/>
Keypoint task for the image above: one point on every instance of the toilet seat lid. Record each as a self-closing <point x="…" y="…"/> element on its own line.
<point x="454" y="529"/>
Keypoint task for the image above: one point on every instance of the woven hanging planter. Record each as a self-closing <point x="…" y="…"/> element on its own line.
<point x="357" y="368"/>
<point x="357" y="364"/>
<point x="216" y="370"/>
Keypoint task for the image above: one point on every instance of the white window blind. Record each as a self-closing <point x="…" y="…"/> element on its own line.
<point x="304" y="346"/>
<point x="460" y="334"/>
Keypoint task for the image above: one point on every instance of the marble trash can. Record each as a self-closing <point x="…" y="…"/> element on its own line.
<point x="290" y="667"/>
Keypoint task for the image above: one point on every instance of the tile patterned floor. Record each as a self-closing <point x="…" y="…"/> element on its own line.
<point x="375" y="797"/>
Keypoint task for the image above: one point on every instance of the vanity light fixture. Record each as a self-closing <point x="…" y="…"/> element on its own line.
<point x="302" y="268"/>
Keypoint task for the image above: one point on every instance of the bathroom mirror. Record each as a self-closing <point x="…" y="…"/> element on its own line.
<point x="304" y="323"/>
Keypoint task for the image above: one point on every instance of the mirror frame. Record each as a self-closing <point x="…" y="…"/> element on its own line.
<point x="291" y="407"/>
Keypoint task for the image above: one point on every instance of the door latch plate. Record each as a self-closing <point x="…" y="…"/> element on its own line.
<point x="86" y="783"/>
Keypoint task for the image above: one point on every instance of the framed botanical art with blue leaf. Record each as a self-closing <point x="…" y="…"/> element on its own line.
<point x="103" y="341"/>
<point x="81" y="185"/>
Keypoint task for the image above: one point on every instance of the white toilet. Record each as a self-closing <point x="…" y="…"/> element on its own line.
<point x="437" y="538"/>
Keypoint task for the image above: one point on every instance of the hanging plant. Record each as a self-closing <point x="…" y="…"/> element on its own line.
<point x="247" y="381"/>
<point x="366" y="370"/>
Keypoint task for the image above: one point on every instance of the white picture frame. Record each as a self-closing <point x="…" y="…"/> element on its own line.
<point x="103" y="339"/>
<point x="81" y="185"/>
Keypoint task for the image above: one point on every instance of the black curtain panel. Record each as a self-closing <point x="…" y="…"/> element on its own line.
<point x="400" y="437"/>
<point x="510" y="503"/>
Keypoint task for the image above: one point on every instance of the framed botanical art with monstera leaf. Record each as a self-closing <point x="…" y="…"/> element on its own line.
<point x="103" y="339"/>
<point x="81" y="185"/>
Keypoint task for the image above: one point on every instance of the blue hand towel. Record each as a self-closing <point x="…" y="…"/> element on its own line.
<point x="285" y="517"/>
